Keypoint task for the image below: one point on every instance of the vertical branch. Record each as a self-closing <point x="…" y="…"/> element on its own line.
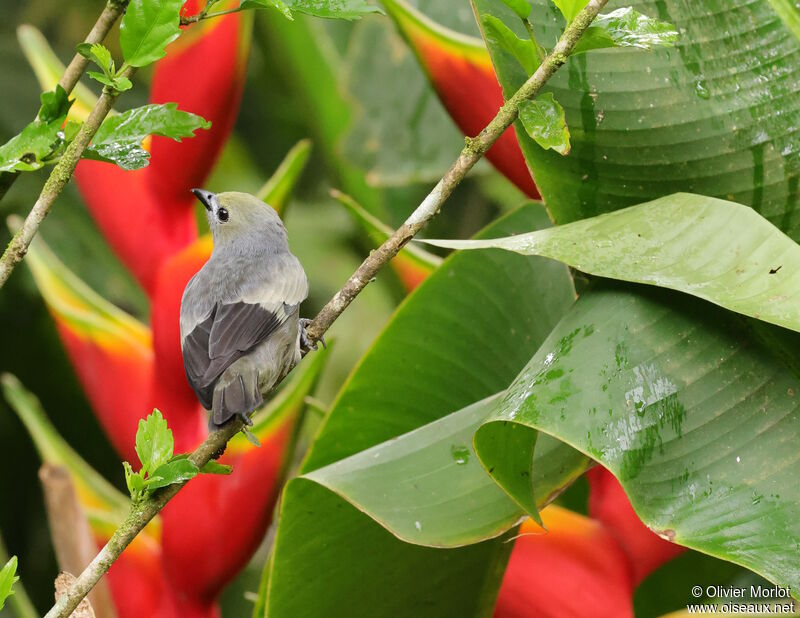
<point x="69" y="529"/>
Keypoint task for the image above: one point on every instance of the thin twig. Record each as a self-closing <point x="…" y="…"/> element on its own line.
<point x="58" y="179"/>
<point x="72" y="74"/>
<point x="142" y="512"/>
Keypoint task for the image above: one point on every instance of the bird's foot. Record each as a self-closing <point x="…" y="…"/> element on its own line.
<point x="306" y="344"/>
<point x="245" y="416"/>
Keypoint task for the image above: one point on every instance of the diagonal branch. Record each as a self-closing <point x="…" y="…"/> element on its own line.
<point x="142" y="512"/>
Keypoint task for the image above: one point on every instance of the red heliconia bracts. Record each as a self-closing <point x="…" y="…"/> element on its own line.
<point x="210" y="530"/>
<point x="582" y="566"/>
<point x="460" y="70"/>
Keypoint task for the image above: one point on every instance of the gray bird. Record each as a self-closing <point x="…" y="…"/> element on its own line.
<point x="240" y="329"/>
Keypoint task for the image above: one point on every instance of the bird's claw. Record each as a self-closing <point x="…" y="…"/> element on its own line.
<point x="306" y="344"/>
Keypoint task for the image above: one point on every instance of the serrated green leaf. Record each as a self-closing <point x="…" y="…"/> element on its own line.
<point x="719" y="251"/>
<point x="29" y="150"/>
<point x="102" y="78"/>
<point x="8" y="576"/>
<point x="570" y="8"/>
<point x="214" y="467"/>
<point x="175" y="471"/>
<point x="122" y="83"/>
<point x="119" y="138"/>
<point x="154" y="442"/>
<point x="524" y="50"/>
<point x="55" y="105"/>
<point x="333" y="9"/>
<point x="148" y="26"/>
<point x="134" y="480"/>
<point x="626" y="27"/>
<point x="520" y="7"/>
<point x="543" y="119"/>
<point x="41" y="139"/>
<point x="100" y="55"/>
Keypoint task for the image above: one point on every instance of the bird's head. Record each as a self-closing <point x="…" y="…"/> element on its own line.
<point x="238" y="220"/>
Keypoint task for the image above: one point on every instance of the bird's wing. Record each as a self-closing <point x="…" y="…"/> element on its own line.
<point x="235" y="327"/>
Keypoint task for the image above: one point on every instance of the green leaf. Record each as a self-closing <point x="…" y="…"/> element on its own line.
<point x="543" y="119"/>
<point x="719" y="251"/>
<point x="251" y="437"/>
<point x="442" y="351"/>
<point x="335" y="9"/>
<point x="695" y="416"/>
<point x="702" y="118"/>
<point x="280" y="5"/>
<point x="119" y="83"/>
<point x="100" y="55"/>
<point x="278" y="189"/>
<point x="441" y="495"/>
<point x="214" y="467"/>
<point x="524" y="50"/>
<point x="30" y="150"/>
<point x="148" y="26"/>
<point x="154" y="442"/>
<point x="119" y="138"/>
<point x="175" y="471"/>
<point x="134" y="481"/>
<point x="42" y="139"/>
<point x="8" y="577"/>
<point x="55" y="105"/>
<point x="520" y="7"/>
<point x="569" y="8"/>
<point x="627" y="28"/>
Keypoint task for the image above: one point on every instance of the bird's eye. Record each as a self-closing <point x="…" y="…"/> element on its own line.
<point x="222" y="214"/>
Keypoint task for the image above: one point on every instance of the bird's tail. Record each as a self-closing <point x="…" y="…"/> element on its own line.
<point x="239" y="396"/>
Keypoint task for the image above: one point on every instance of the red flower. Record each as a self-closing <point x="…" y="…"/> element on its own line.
<point x="460" y="70"/>
<point x="582" y="565"/>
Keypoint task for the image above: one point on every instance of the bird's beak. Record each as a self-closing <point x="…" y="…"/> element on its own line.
<point x="205" y="198"/>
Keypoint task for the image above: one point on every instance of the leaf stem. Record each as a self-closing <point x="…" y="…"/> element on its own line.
<point x="142" y="512"/>
<point x="539" y="49"/>
<point x="192" y="19"/>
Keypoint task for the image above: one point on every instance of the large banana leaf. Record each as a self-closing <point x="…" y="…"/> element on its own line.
<point x="716" y="115"/>
<point x="460" y="337"/>
<point x="696" y="418"/>
<point x="716" y="250"/>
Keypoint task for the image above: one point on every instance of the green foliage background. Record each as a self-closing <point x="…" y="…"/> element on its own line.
<point x="368" y="126"/>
